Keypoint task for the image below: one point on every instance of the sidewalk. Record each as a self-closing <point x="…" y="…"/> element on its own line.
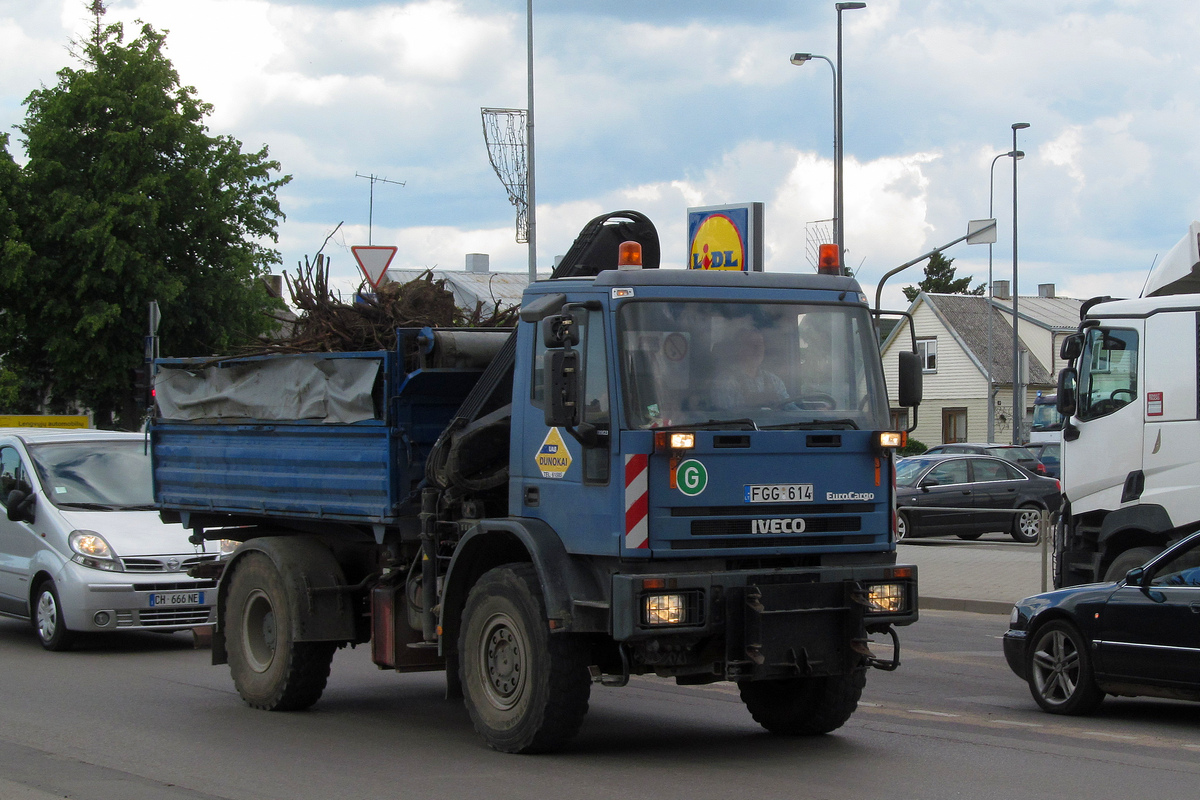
<point x="985" y="576"/>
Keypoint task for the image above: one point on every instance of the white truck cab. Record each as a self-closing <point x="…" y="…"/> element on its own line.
<point x="1131" y="427"/>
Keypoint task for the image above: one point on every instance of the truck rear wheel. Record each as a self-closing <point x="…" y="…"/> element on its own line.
<point x="804" y="706"/>
<point x="525" y="689"/>
<point x="270" y="670"/>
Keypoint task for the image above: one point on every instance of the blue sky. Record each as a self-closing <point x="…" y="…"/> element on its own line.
<point x="657" y="106"/>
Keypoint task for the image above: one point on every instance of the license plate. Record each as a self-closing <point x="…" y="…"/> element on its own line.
<point x="780" y="493"/>
<point x="160" y="599"/>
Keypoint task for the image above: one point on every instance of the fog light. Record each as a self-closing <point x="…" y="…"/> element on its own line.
<point x="885" y="597"/>
<point x="664" y="609"/>
<point x="892" y="439"/>
<point x="101" y="618"/>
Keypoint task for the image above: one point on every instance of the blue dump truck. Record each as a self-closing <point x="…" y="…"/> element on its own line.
<point x="680" y="473"/>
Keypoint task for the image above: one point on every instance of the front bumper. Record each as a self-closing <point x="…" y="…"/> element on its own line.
<point x="121" y="600"/>
<point x="759" y="624"/>
<point x="1014" y="652"/>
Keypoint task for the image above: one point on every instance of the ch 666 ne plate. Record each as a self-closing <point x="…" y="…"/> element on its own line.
<point x="779" y="493"/>
<point x="162" y="599"/>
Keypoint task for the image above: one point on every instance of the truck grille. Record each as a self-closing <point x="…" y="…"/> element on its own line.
<point x="743" y="527"/>
<point x="760" y="540"/>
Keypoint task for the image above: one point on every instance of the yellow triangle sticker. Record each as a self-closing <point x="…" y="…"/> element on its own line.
<point x="553" y="458"/>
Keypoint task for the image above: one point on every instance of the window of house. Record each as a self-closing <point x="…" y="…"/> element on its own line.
<point x="954" y="425"/>
<point x="899" y="419"/>
<point x="927" y="348"/>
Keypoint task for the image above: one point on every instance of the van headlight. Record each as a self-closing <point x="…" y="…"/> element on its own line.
<point x="91" y="550"/>
<point x="885" y="598"/>
<point x="674" y="608"/>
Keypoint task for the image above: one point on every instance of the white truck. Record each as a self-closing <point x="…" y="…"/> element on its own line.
<point x="1131" y="429"/>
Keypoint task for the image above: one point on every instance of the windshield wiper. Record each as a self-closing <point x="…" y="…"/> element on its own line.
<point x="88" y="506"/>
<point x="745" y="423"/>
<point x="815" y="425"/>
<point x="138" y="507"/>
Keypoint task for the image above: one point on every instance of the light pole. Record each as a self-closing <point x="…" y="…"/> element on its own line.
<point x="840" y="211"/>
<point x="991" y="426"/>
<point x="799" y="59"/>
<point x="530" y="198"/>
<point x="1018" y="410"/>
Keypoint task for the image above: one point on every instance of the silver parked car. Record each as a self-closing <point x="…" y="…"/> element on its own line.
<point x="81" y="545"/>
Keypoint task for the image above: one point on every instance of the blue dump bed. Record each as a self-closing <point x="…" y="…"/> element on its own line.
<point x="223" y="443"/>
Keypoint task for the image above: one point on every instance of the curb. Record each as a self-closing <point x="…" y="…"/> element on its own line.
<point x="973" y="606"/>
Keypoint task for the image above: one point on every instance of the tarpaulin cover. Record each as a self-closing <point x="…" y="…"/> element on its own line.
<point x="304" y="387"/>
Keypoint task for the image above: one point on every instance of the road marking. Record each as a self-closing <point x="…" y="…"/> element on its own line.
<point x="1014" y="722"/>
<point x="931" y="713"/>
<point x="1111" y="735"/>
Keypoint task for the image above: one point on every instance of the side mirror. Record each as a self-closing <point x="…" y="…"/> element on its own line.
<point x="1135" y="576"/>
<point x="909" y="388"/>
<point x="1066" y="402"/>
<point x="1071" y="347"/>
<point x="21" y="505"/>
<point x="560" y="330"/>
<point x="562" y="388"/>
<point x="927" y="482"/>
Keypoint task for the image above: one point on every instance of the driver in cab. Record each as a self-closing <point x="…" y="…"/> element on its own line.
<point x="743" y="381"/>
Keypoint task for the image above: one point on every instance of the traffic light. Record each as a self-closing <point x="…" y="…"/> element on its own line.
<point x="143" y="385"/>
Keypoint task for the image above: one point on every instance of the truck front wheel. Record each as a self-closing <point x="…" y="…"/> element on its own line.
<point x="270" y="670"/>
<point x="526" y="690"/>
<point x="804" y="706"/>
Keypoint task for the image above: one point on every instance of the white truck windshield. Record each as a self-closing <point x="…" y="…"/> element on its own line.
<point x="751" y="365"/>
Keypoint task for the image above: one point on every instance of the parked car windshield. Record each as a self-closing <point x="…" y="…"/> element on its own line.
<point x="751" y="365"/>
<point x="908" y="470"/>
<point x="92" y="474"/>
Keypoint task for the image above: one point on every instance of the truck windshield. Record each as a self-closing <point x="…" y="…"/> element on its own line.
<point x="110" y="475"/>
<point x="750" y="366"/>
<point x="1045" y="414"/>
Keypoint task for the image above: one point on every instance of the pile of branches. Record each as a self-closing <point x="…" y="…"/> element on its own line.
<point x="325" y="323"/>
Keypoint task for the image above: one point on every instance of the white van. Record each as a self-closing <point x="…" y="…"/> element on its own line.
<point x="82" y="548"/>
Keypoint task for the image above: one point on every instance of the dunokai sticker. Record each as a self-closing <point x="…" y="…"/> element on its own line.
<point x="553" y="458"/>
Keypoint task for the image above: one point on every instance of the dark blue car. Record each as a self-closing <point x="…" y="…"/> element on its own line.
<point x="1137" y="636"/>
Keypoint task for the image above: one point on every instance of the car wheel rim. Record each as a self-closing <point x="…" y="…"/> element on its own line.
<point x="502" y="655"/>
<point x="1056" y="668"/>
<point x="47" y="616"/>
<point x="901" y="529"/>
<point x="1031" y="524"/>
<point x="259" y="635"/>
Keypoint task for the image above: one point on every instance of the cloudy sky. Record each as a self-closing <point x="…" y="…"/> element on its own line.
<point x="658" y="105"/>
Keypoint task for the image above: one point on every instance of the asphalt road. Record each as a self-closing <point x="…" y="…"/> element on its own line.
<point x="146" y="716"/>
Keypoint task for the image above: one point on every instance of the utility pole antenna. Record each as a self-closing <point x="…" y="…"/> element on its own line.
<point x="371" y="209"/>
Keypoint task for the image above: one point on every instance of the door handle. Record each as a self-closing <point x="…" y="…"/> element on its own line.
<point x="1195" y="606"/>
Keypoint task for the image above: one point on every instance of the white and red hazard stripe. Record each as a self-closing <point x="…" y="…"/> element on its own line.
<point x="637" y="501"/>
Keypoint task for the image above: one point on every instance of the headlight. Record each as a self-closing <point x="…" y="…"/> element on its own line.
<point x="91" y="550"/>
<point x="885" y="598"/>
<point x="1014" y="617"/>
<point x="677" y="608"/>
<point x="228" y="546"/>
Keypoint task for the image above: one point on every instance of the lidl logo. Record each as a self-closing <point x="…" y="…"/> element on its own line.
<point x="553" y="458"/>
<point x="718" y="244"/>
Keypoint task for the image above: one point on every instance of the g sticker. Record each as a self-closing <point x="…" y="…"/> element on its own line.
<point x="691" y="477"/>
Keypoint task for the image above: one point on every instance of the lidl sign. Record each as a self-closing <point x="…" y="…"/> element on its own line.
<point x="726" y="237"/>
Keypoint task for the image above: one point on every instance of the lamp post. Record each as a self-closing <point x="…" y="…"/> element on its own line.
<point x="799" y="59"/>
<point x="1018" y="410"/>
<point x="530" y="197"/>
<point x="991" y="426"/>
<point x="841" y="216"/>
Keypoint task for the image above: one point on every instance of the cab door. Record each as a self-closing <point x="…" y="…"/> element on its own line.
<point x="555" y="477"/>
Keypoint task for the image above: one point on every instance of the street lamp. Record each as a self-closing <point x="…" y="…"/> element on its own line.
<point x="530" y="197"/>
<point x="840" y="211"/>
<point x="799" y="59"/>
<point x="991" y="426"/>
<point x="1018" y="411"/>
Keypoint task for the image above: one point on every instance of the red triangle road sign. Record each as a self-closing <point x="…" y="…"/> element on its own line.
<point x="373" y="261"/>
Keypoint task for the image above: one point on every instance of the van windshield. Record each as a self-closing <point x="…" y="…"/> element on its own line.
<point x="750" y="365"/>
<point x="110" y="475"/>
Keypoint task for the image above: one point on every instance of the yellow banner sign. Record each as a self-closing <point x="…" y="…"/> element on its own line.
<point x="43" y="421"/>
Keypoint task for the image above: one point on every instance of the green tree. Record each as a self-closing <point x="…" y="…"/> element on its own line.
<point x="939" y="277"/>
<point x="130" y="199"/>
<point x="15" y="255"/>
